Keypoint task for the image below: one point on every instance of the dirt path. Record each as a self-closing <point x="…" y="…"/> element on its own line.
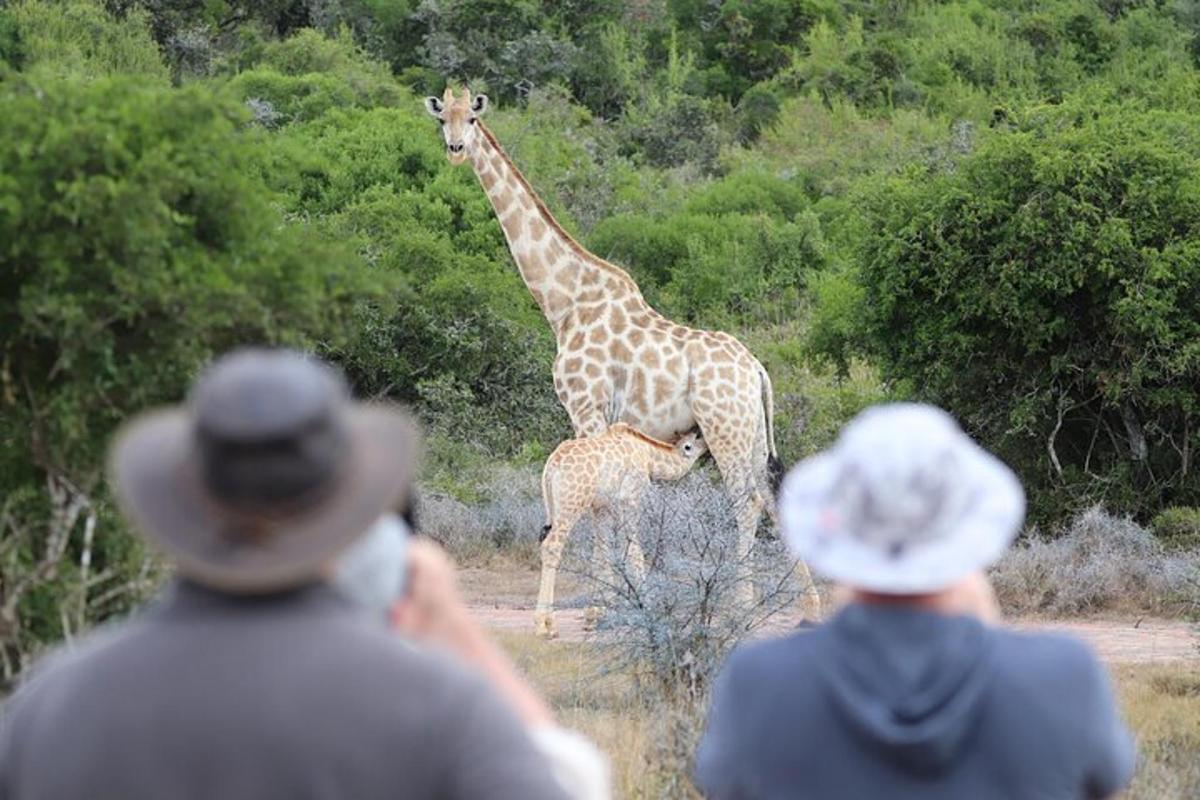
<point x="1116" y="641"/>
<point x="503" y="596"/>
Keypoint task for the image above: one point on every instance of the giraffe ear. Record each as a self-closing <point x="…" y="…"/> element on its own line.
<point x="434" y="106"/>
<point x="480" y="103"/>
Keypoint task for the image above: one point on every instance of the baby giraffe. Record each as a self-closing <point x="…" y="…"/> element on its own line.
<point x="607" y="474"/>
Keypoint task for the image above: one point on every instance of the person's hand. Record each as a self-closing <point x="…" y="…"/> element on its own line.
<point x="432" y="609"/>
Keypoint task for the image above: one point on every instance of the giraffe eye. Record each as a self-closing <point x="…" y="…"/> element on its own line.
<point x="472" y="120"/>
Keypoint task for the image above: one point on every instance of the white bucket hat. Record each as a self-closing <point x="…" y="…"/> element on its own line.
<point x="903" y="503"/>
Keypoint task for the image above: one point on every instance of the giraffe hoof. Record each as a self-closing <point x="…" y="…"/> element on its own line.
<point x="811" y="606"/>
<point x="543" y="627"/>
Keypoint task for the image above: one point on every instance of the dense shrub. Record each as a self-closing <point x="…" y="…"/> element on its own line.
<point x="1178" y="528"/>
<point x="673" y="626"/>
<point x="1045" y="291"/>
<point x="80" y="37"/>
<point x="503" y="511"/>
<point x="136" y="245"/>
<point x="309" y="74"/>
<point x="739" y="248"/>
<point x="1098" y="562"/>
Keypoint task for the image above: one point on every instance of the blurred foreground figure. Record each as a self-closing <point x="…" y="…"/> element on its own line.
<point x="909" y="692"/>
<point x="252" y="677"/>
<point x="430" y="611"/>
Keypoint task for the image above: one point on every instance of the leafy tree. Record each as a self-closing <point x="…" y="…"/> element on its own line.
<point x="136" y="245"/>
<point x="80" y="37"/>
<point x="302" y="77"/>
<point x="1045" y="290"/>
<point x="738" y="250"/>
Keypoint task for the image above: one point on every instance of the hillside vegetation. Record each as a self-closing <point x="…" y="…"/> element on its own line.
<point x="994" y="206"/>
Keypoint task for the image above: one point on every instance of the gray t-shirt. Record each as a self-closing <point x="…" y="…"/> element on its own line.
<point x="898" y="703"/>
<point x="293" y="696"/>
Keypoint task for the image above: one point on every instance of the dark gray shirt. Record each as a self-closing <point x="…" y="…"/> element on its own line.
<point x="898" y="703"/>
<point x="293" y="696"/>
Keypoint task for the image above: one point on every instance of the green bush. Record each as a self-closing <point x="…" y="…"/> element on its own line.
<point x="79" y="37"/>
<point x="1178" y="528"/>
<point x="136" y="244"/>
<point x="462" y="327"/>
<point x="757" y="110"/>
<point x="10" y="41"/>
<point x="1045" y="290"/>
<point x="738" y="249"/>
<point x="308" y="74"/>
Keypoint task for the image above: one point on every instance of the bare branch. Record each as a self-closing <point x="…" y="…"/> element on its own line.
<point x="1062" y="410"/>
<point x="1138" y="449"/>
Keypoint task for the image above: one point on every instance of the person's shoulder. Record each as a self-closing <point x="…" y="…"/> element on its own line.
<point x="369" y="648"/>
<point x="1038" y="650"/>
<point x="71" y="665"/>
<point x="1058" y="664"/>
<point x="755" y="663"/>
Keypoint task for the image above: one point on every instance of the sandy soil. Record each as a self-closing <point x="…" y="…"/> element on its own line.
<point x="503" y="595"/>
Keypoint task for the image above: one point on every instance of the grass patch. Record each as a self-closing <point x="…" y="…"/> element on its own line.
<point x="1161" y="703"/>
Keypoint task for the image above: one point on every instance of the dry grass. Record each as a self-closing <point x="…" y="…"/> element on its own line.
<point x="1161" y="703"/>
<point x="603" y="705"/>
<point x="1098" y="563"/>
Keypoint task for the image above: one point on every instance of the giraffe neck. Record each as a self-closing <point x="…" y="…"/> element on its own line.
<point x="558" y="271"/>
<point x="668" y="465"/>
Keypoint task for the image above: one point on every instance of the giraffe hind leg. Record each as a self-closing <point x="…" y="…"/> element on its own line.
<point x="553" y="542"/>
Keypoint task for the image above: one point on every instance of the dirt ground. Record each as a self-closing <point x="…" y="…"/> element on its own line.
<point x="503" y="595"/>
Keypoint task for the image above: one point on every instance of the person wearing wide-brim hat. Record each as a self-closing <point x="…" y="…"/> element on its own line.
<point x="251" y="676"/>
<point x="910" y="690"/>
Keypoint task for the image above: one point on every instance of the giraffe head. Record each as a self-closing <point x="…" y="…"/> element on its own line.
<point x="691" y="445"/>
<point x="458" y="117"/>
<point x="676" y="460"/>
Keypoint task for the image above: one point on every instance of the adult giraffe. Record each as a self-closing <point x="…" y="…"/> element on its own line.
<point x="618" y="359"/>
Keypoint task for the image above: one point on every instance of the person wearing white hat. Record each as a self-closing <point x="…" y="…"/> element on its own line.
<point x="910" y="691"/>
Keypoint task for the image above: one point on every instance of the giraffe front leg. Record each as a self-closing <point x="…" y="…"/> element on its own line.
<point x="810" y="598"/>
<point x="634" y="558"/>
<point x="589" y="423"/>
<point x="587" y="403"/>
<point x="747" y="511"/>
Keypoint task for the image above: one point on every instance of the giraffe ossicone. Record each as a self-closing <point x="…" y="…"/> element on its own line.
<point x="618" y="359"/>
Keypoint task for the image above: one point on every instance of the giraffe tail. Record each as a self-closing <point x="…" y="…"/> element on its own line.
<point x="548" y="498"/>
<point x="775" y="467"/>
<point x="775" y="470"/>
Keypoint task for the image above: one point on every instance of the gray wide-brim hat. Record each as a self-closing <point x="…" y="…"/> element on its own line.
<point x="265" y="474"/>
<point x="903" y="503"/>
